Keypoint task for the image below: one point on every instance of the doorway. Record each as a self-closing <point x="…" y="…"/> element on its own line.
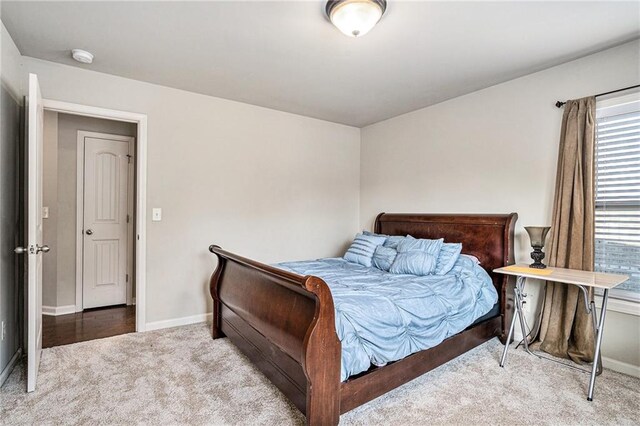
<point x="89" y="225"/>
<point x="32" y="246"/>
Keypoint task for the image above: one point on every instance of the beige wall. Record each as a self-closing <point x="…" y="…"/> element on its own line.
<point x="11" y="290"/>
<point x="494" y="150"/>
<point x="10" y="284"/>
<point x="60" y="180"/>
<point x="11" y="65"/>
<point x="267" y="184"/>
<point x="621" y="341"/>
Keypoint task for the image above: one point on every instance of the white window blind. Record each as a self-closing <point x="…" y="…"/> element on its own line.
<point x="617" y="167"/>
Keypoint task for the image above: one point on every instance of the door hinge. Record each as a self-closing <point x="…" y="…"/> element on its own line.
<point x="127" y="218"/>
<point x="127" y="277"/>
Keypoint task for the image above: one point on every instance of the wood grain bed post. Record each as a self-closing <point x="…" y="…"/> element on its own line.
<point x="507" y="307"/>
<point x="321" y="359"/>
<point x="216" y="330"/>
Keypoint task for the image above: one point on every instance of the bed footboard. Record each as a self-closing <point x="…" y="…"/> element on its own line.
<point x="285" y="323"/>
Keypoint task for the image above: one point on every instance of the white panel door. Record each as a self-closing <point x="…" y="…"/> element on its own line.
<point x="35" y="247"/>
<point x="106" y="166"/>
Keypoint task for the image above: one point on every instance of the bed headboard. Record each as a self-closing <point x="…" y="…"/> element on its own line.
<point x="489" y="237"/>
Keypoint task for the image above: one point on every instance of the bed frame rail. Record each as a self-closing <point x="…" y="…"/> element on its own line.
<point x="285" y="323"/>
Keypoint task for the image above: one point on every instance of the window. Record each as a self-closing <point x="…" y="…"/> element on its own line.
<point x="617" y="168"/>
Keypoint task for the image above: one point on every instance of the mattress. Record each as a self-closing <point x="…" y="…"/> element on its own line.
<point x="383" y="317"/>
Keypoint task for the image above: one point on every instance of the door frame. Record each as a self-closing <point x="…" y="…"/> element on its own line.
<point x="80" y="164"/>
<point x="140" y="258"/>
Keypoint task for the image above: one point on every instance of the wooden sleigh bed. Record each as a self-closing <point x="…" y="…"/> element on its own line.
<point x="285" y="322"/>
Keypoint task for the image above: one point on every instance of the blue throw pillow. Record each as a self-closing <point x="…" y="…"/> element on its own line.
<point x="383" y="257"/>
<point x="471" y="257"/>
<point x="393" y="241"/>
<point x="362" y="248"/>
<point x="449" y="253"/>
<point x="374" y="234"/>
<point x="416" y="257"/>
<point x="466" y="263"/>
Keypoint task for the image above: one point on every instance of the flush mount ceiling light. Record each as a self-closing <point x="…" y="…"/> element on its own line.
<point x="355" y="18"/>
<point x="82" y="56"/>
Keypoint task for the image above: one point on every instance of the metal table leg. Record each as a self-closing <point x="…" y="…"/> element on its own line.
<point x="518" y="293"/>
<point x="596" y="356"/>
<point x="508" y="342"/>
<point x="520" y="301"/>
<point x="590" y="307"/>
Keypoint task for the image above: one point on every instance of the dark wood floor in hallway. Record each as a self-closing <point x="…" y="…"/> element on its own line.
<point x="87" y="325"/>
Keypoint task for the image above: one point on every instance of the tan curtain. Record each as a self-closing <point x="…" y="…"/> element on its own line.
<point x="566" y="329"/>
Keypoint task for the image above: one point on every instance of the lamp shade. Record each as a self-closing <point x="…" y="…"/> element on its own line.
<point x="537" y="234"/>
<point x="355" y="18"/>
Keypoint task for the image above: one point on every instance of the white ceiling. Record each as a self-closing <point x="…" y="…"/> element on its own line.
<point x="285" y="55"/>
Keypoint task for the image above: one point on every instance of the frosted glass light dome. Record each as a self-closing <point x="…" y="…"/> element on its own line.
<point x="355" y="18"/>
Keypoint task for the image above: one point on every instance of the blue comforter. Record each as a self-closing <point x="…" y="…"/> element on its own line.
<point x="383" y="317"/>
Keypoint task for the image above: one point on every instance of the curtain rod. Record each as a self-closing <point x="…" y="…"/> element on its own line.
<point x="560" y="104"/>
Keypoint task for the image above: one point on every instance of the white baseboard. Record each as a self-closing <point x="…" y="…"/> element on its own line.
<point x="176" y="322"/>
<point x="58" y="310"/>
<point x="9" y="368"/>
<point x="621" y="367"/>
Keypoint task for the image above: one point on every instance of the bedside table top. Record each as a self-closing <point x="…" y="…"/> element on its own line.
<point x="567" y="276"/>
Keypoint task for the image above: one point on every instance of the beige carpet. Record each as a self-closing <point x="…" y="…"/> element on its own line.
<point x="181" y="376"/>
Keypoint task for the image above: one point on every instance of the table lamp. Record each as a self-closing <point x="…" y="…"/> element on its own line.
<point x="537" y="235"/>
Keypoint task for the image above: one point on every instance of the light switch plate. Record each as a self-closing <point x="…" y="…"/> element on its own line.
<point x="45" y="212"/>
<point x="156" y="215"/>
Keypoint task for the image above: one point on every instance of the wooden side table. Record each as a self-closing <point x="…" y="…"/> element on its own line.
<point x="582" y="279"/>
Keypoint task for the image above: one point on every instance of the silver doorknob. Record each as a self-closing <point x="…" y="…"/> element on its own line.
<point x="44" y="249"/>
<point x="89" y="232"/>
<point x="20" y="250"/>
